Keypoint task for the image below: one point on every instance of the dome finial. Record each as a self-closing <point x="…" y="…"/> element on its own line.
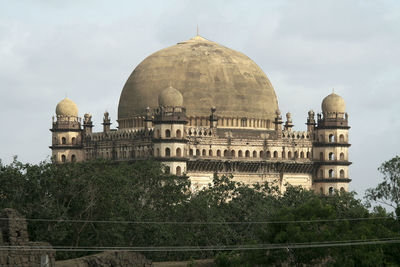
<point x="333" y="90"/>
<point x="197" y="30"/>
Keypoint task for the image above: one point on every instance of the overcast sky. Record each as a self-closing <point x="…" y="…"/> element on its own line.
<point x="87" y="50"/>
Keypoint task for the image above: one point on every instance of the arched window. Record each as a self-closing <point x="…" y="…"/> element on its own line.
<point x="283" y="154"/>
<point x="204" y="152"/>
<point x="321" y="173"/>
<point x="341" y="173"/>
<point x="218" y="153"/>
<point x="308" y="154"/>
<point x="331" y="156"/>
<point x="167" y="170"/>
<point x="73" y="140"/>
<point x="331" y="191"/>
<point x="167" y="152"/>
<point x="225" y="153"/>
<point x="275" y="154"/>
<point x="247" y="154"/>
<point x="254" y="154"/>
<point x="178" y="152"/>
<point x="268" y="154"/>
<point x="262" y="154"/>
<point x="157" y="152"/>
<point x="342" y="156"/>
<point x="210" y="153"/>
<point x="233" y="153"/>
<point x="240" y="154"/>
<point x="73" y="158"/>
<point x="190" y="152"/>
<point x="296" y="154"/>
<point x="167" y="133"/>
<point x="178" y="170"/>
<point x="302" y="154"/>
<point x="197" y="152"/>
<point x="331" y="173"/>
<point x="341" y="139"/>
<point x="321" y="191"/>
<point x="342" y="190"/>
<point x="63" y="158"/>
<point x="331" y="138"/>
<point x="63" y="140"/>
<point x="158" y="134"/>
<point x="321" y="156"/>
<point x="289" y="154"/>
<point x="178" y="133"/>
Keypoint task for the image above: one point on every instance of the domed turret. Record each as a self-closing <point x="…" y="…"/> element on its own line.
<point x="333" y="103"/>
<point x="170" y="97"/>
<point x="67" y="108"/>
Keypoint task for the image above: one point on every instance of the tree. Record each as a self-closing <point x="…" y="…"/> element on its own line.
<point x="388" y="192"/>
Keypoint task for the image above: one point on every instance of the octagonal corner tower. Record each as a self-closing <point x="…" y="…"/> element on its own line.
<point x="208" y="75"/>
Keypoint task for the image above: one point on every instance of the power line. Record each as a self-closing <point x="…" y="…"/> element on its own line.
<point x="206" y="248"/>
<point x="199" y="222"/>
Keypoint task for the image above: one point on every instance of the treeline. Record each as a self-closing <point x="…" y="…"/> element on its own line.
<point x="140" y="192"/>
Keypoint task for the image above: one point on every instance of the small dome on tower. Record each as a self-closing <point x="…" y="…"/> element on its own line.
<point x="170" y="97"/>
<point x="67" y="108"/>
<point x="333" y="103"/>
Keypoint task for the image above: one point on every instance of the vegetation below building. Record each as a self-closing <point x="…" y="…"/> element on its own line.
<point x="107" y="204"/>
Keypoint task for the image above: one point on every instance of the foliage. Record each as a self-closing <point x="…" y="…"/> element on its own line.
<point x="140" y="192"/>
<point x="388" y="192"/>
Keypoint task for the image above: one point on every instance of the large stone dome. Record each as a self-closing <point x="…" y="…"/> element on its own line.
<point x="208" y="75"/>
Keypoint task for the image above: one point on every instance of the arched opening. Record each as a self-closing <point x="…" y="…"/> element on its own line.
<point x="167" y="170"/>
<point x="321" y="138"/>
<point x="321" y="173"/>
<point x="331" y="173"/>
<point x="158" y="133"/>
<point x="63" y="140"/>
<point x="240" y="153"/>
<point x="73" y="140"/>
<point x="341" y="173"/>
<point x="321" y="191"/>
<point x="178" y="133"/>
<point x="197" y="152"/>
<point x="331" y="156"/>
<point x="167" y="133"/>
<point x="331" y="191"/>
<point x="283" y="154"/>
<point x="302" y="154"/>
<point x="275" y="154"/>
<point x="178" y="171"/>
<point x="254" y="154"/>
<point x="342" y="156"/>
<point x="210" y="153"/>
<point x="308" y="154"/>
<point x="63" y="158"/>
<point x="289" y="154"/>
<point x="321" y="156"/>
<point x="204" y="152"/>
<point x="262" y="154"/>
<point x="296" y="154"/>
<point x="73" y="158"/>
<point x="233" y="153"/>
<point x="178" y="152"/>
<point x="268" y="154"/>
<point x="247" y="154"/>
<point x="190" y="152"/>
<point x="157" y="152"/>
<point x="225" y="153"/>
<point x="331" y="138"/>
<point x="341" y="139"/>
<point x="167" y="152"/>
<point x="342" y="190"/>
<point x="218" y="153"/>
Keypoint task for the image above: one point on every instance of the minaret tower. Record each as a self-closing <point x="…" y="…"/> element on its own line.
<point x="330" y="147"/>
<point x="170" y="144"/>
<point x="66" y="133"/>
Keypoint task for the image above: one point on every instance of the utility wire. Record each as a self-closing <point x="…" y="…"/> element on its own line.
<point x="198" y="222"/>
<point x="209" y="248"/>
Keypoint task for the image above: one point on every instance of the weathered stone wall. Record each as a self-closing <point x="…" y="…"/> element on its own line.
<point x="18" y="250"/>
<point x="108" y="258"/>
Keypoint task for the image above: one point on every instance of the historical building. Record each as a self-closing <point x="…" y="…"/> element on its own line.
<point x="202" y="108"/>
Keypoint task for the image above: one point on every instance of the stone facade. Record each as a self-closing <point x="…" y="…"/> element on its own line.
<point x="18" y="250"/>
<point x="243" y="138"/>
